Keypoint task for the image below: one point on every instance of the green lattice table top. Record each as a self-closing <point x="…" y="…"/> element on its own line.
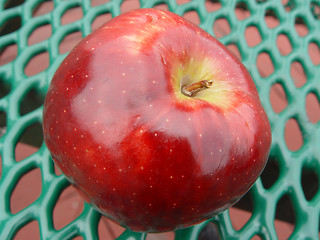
<point x="278" y="41"/>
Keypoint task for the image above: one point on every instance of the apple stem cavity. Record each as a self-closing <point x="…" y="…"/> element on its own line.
<point x="194" y="88"/>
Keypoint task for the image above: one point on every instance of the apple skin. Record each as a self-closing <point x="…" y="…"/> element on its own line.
<point x="141" y="152"/>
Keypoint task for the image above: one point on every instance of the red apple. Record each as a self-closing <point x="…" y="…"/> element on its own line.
<point x="155" y="122"/>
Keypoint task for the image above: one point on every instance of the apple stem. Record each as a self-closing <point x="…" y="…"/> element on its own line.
<point x="194" y="88"/>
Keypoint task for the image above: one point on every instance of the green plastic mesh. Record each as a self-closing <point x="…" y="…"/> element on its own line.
<point x="251" y="29"/>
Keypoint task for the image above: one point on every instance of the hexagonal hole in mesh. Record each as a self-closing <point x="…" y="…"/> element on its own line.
<point x="127" y="6"/>
<point x="233" y="48"/>
<point x="288" y="5"/>
<point x="210" y="231"/>
<point x="67" y="208"/>
<point x="5" y="88"/>
<point x="221" y="27"/>
<point x="315" y="9"/>
<point x="293" y="136"/>
<point x="284" y="44"/>
<point x="40" y="34"/>
<point x="309" y="182"/>
<point x="252" y="36"/>
<point x="298" y="74"/>
<point x="11" y="25"/>
<point x="314" y="53"/>
<point x="69" y="42"/>
<point x="107" y="229"/>
<point x="284" y="218"/>
<point x="265" y="64"/>
<point x="10" y="4"/>
<point x="100" y="20"/>
<point x="37" y="64"/>
<point x="278" y="98"/>
<point x="71" y="15"/>
<point x="192" y="16"/>
<point x="43" y="7"/>
<point x="98" y="2"/>
<point x="270" y="173"/>
<point x="8" y="54"/>
<point x="271" y="18"/>
<point x="241" y="10"/>
<point x="29" y="231"/>
<point x="31" y="101"/>
<point x="23" y="194"/>
<point x="161" y="6"/>
<point x="301" y="26"/>
<point x="241" y="212"/>
<point x="212" y="5"/>
<point x="29" y="142"/>
<point x="313" y="107"/>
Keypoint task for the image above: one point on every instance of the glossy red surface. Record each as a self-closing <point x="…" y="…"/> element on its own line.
<point x="143" y="155"/>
